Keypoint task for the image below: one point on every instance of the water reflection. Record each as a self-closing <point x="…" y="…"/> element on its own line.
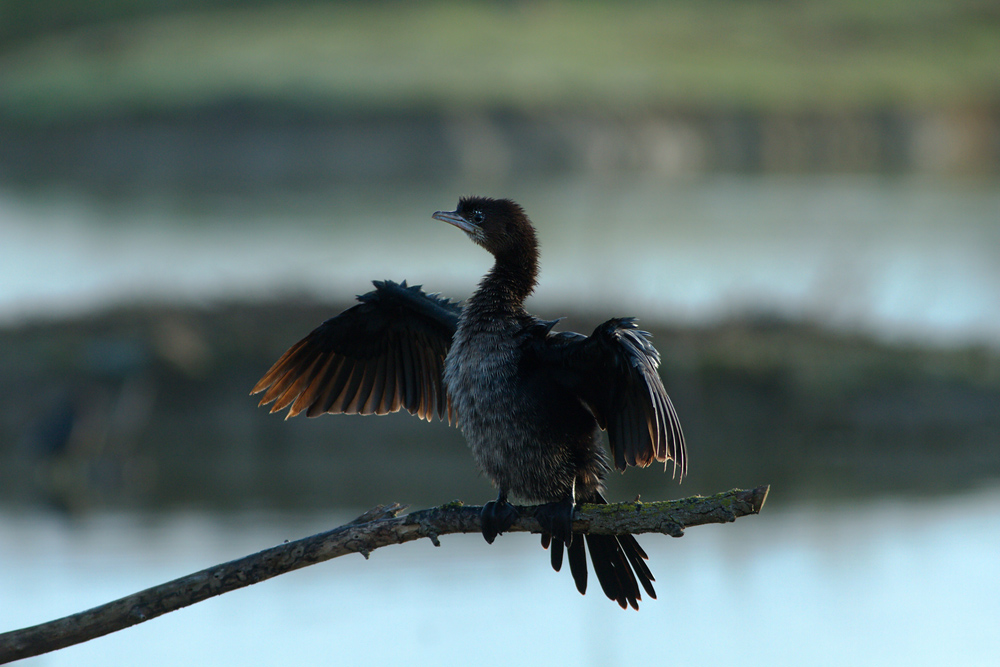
<point x="905" y="258"/>
<point x="910" y="582"/>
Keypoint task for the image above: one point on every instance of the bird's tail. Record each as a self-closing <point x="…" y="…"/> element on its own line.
<point x="618" y="560"/>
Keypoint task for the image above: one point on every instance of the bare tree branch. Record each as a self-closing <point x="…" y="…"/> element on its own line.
<point x="379" y="527"/>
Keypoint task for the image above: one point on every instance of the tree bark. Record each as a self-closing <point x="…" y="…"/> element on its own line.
<point x="379" y="527"/>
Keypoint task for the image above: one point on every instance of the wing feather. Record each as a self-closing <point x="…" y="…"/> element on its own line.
<point x="364" y="387"/>
<point x="309" y="394"/>
<point x="335" y="394"/>
<point x="383" y="354"/>
<point x="615" y="373"/>
<point x="296" y="384"/>
<point x="327" y="385"/>
<point x="410" y="394"/>
<point x="373" y="406"/>
<point x="395" y="372"/>
<point x="341" y="398"/>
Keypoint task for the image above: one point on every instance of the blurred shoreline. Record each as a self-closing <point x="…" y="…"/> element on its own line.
<point x="148" y="408"/>
<point x="241" y="147"/>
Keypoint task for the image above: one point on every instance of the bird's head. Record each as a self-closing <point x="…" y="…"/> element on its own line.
<point x="499" y="225"/>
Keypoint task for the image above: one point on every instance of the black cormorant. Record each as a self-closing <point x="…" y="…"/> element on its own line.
<point x="531" y="402"/>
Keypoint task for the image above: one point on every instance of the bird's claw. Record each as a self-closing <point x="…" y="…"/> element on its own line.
<point x="557" y="520"/>
<point x="497" y="516"/>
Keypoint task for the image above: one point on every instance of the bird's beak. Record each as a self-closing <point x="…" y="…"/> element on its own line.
<point x="452" y="217"/>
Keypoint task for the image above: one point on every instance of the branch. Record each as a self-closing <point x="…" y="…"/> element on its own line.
<point x="376" y="528"/>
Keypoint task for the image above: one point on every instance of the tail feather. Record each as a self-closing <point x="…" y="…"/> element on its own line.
<point x="578" y="564"/>
<point x="637" y="557"/>
<point x="613" y="571"/>
<point x="557" y="550"/>
<point x="619" y="563"/>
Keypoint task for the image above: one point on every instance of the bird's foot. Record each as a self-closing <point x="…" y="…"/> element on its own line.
<point x="497" y="516"/>
<point x="557" y="520"/>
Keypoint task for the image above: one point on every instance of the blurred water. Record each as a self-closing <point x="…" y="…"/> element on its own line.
<point x="910" y="258"/>
<point x="901" y="582"/>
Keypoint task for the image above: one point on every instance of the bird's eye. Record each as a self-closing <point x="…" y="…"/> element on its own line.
<point x="478" y="216"/>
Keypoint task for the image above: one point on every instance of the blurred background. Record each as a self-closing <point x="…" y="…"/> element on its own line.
<point x="801" y="201"/>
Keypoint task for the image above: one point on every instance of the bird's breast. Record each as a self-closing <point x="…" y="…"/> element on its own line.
<point x="482" y="382"/>
<point x="480" y="370"/>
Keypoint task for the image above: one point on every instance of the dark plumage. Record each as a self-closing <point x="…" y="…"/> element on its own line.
<point x="530" y="402"/>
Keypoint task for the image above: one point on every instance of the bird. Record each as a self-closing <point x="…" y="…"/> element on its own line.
<point x="530" y="401"/>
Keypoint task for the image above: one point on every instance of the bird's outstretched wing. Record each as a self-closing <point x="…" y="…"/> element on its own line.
<point x="614" y="372"/>
<point x="381" y="355"/>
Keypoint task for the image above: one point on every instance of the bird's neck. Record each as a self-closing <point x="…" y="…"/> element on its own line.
<point x="506" y="286"/>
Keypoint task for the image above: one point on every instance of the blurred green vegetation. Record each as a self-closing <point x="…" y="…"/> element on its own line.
<point x="66" y="59"/>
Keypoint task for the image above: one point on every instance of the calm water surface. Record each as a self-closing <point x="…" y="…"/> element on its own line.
<point x="894" y="582"/>
<point x="904" y="258"/>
